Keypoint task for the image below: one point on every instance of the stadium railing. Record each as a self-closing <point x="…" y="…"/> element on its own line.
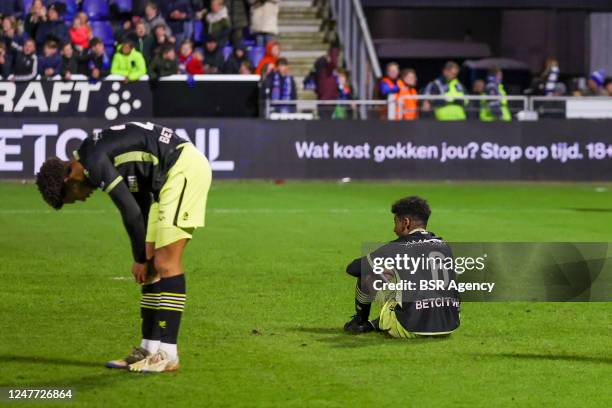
<point x="521" y="107"/>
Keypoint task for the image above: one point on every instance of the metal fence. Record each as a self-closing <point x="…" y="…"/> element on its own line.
<point x="409" y="107"/>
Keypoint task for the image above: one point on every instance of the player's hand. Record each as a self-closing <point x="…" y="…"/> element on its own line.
<point x="139" y="270"/>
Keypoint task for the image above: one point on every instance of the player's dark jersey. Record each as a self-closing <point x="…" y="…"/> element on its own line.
<point x="138" y="153"/>
<point x="131" y="163"/>
<point x="420" y="311"/>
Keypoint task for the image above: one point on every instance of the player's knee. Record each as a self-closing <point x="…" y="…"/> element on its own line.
<point x="163" y="265"/>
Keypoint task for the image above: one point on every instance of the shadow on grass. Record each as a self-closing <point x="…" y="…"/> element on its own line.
<point x="104" y="376"/>
<point x="595" y="210"/>
<point x="337" y="338"/>
<point x="552" y="357"/>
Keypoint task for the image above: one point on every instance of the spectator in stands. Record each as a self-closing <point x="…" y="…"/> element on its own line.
<point x="80" y="33"/>
<point x="9" y="31"/>
<point x="6" y="63"/>
<point x="69" y="62"/>
<point x="473" y="106"/>
<point x="160" y="38"/>
<point x="235" y="60"/>
<point x="279" y="85"/>
<point x="238" y="17"/>
<point x="213" y="56"/>
<point x="25" y="67"/>
<point x="264" y="20"/>
<point x="246" y="68"/>
<point x="179" y="15"/>
<point x="152" y="19"/>
<point x="35" y="17"/>
<point x="12" y="8"/>
<point x="495" y="109"/>
<point x="190" y="63"/>
<point x="608" y="88"/>
<point x="164" y="63"/>
<point x="545" y="83"/>
<point x="326" y="82"/>
<point x="345" y="93"/>
<point x="388" y="85"/>
<point x="268" y="63"/>
<point x="217" y="22"/>
<point x="54" y="28"/>
<point x="407" y="107"/>
<point x="452" y="107"/>
<point x="595" y="84"/>
<point x="50" y="64"/>
<point x="143" y="42"/>
<point x="128" y="62"/>
<point x="95" y="62"/>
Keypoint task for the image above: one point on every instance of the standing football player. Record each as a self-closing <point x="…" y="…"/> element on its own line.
<point x="415" y="317"/>
<point x="159" y="182"/>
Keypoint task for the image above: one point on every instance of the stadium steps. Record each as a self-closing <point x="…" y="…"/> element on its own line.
<point x="302" y="39"/>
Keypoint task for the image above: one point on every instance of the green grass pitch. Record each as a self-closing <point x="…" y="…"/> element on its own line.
<point x="267" y="297"/>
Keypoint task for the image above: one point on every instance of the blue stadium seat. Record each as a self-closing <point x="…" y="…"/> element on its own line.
<point x="71" y="8"/>
<point x="27" y="4"/>
<point x="124" y="6"/>
<point x="227" y="51"/>
<point x="96" y="9"/>
<point x="104" y="31"/>
<point x="198" y="31"/>
<point x="256" y="54"/>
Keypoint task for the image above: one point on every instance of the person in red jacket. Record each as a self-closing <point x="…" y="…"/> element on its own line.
<point x="190" y="63"/>
<point x="268" y="63"/>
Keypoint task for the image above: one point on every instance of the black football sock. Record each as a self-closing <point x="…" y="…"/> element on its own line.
<point x="149" y="302"/>
<point x="363" y="302"/>
<point x="171" y="305"/>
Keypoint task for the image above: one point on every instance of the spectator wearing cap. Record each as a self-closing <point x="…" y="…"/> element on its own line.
<point x="179" y="15"/>
<point x="213" y="56"/>
<point x="128" y="63"/>
<point x="264" y="20"/>
<point x="595" y="84"/>
<point x="279" y="85"/>
<point x="69" y="62"/>
<point x="25" y="67"/>
<point x="153" y="18"/>
<point x="217" y="22"/>
<point x="164" y="63"/>
<point x="236" y="59"/>
<point x="54" y="28"/>
<point x="35" y="17"/>
<point x="95" y="63"/>
<point x="50" y="63"/>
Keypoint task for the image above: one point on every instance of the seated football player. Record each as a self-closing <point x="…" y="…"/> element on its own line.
<point x="412" y="318"/>
<point x="159" y="182"/>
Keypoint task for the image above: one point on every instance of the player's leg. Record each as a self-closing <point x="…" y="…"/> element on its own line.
<point x="149" y="303"/>
<point x="388" y="322"/>
<point x="360" y="321"/>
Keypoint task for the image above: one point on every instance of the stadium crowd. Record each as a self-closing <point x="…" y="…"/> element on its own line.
<point x="134" y="38"/>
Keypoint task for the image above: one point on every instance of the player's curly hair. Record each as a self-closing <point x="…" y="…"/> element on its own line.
<point x="413" y="207"/>
<point x="50" y="181"/>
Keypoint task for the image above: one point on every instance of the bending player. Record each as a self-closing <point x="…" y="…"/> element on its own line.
<point x="432" y="316"/>
<point x="159" y="182"/>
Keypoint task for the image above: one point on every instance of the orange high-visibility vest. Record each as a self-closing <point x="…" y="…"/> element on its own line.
<point x="407" y="108"/>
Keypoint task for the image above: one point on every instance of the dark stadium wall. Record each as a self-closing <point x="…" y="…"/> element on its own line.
<point x="561" y="150"/>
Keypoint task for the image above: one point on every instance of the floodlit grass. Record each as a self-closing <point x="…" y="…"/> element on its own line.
<point x="267" y="298"/>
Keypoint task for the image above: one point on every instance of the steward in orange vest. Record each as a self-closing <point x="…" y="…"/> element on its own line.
<point x="406" y="108"/>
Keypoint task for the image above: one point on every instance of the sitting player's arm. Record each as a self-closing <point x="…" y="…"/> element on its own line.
<point x="133" y="219"/>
